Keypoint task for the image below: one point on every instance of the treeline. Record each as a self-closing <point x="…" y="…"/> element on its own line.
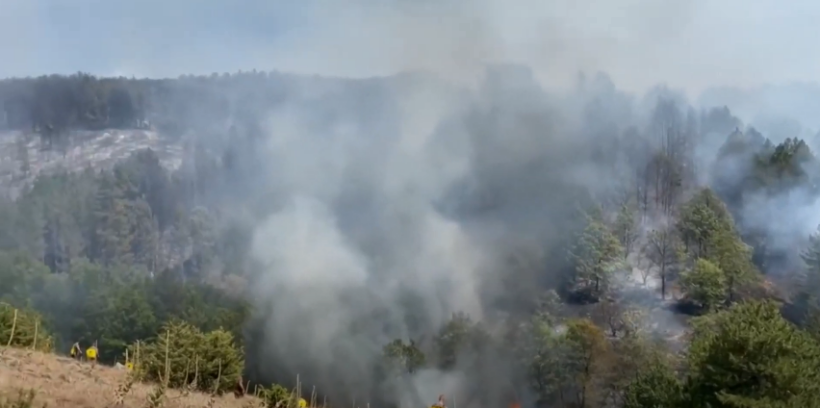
<point x="57" y="103"/>
<point x="51" y="105"/>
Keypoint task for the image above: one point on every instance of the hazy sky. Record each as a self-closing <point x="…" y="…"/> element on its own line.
<point x="689" y="44"/>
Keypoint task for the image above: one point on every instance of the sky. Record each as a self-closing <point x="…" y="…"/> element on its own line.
<point x="688" y="44"/>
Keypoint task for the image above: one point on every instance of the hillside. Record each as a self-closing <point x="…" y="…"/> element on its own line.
<point x="388" y="240"/>
<point x="62" y="382"/>
<point x="24" y="156"/>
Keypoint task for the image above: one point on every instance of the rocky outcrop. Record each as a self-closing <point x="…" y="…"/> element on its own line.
<point x="24" y="156"/>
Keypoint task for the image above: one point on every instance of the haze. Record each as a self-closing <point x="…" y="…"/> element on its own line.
<point x="686" y="44"/>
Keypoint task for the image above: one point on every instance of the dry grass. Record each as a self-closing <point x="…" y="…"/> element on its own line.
<point x="63" y="382"/>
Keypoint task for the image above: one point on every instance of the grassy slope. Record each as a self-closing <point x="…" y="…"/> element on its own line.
<point x="65" y="383"/>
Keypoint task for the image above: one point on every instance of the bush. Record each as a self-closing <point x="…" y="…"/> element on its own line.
<point x="26" y="326"/>
<point x="194" y="358"/>
<point x="277" y="396"/>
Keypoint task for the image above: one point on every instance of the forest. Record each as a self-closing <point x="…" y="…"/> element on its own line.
<point x="393" y="239"/>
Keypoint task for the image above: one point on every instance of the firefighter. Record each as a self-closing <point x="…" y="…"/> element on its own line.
<point x="91" y="353"/>
<point x="76" y="351"/>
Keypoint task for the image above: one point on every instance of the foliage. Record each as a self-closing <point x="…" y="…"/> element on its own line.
<point x="208" y="360"/>
<point x="24" y="329"/>
<point x="597" y="255"/>
<point x="277" y="396"/>
<point x="709" y="232"/>
<point x="700" y="219"/>
<point x="755" y="169"/>
<point x="401" y="357"/>
<point x="635" y="356"/>
<point x="782" y="167"/>
<point x="616" y="318"/>
<point x="811" y="258"/>
<point x="21" y="276"/>
<point x="459" y="336"/>
<point x="749" y="355"/>
<point x="806" y="298"/>
<point x="588" y="357"/>
<point x="655" y="386"/>
<point x="545" y="357"/>
<point x="733" y="257"/>
<point x="705" y="284"/>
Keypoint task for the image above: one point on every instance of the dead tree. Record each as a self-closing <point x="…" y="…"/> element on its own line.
<point x="663" y="246"/>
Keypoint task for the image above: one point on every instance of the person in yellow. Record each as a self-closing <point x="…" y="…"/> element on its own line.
<point x="76" y="351"/>
<point x="91" y="354"/>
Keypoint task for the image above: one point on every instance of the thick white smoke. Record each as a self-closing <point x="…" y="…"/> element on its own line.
<point x="356" y="230"/>
<point x="361" y="247"/>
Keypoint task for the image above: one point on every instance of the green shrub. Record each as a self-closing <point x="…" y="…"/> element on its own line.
<point x="277" y="396"/>
<point x="195" y="358"/>
<point x="26" y="326"/>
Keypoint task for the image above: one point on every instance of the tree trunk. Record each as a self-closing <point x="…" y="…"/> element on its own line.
<point x="663" y="281"/>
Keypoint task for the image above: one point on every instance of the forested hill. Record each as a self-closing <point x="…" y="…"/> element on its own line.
<point x="55" y="104"/>
<point x="52" y="105"/>
<point x="80" y="120"/>
<point x="392" y="239"/>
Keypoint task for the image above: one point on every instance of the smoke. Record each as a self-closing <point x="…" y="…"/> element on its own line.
<point x="778" y="111"/>
<point x="394" y="202"/>
<point x="397" y="202"/>
<point x="356" y="231"/>
<point x="777" y="219"/>
<point x="800" y="207"/>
